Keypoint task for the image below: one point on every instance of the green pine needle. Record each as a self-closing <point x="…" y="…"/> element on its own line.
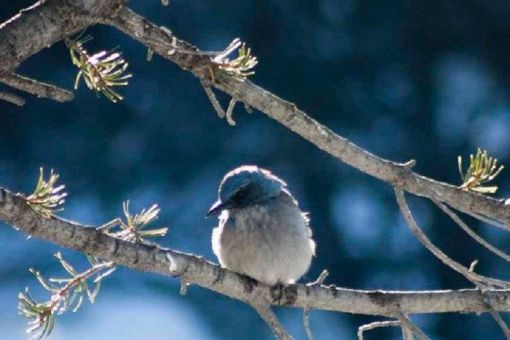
<point x="47" y="198"/>
<point x="101" y="71"/>
<point x="241" y="67"/>
<point x="66" y="294"/>
<point x="134" y="227"/>
<point x="482" y="170"/>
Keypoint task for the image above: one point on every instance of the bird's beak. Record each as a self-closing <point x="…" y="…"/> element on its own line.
<point x="216" y="208"/>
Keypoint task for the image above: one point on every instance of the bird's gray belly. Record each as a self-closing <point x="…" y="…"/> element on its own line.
<point x="265" y="248"/>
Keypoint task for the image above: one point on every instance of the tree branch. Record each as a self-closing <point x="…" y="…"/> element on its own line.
<point x="409" y="329"/>
<point x="501" y="323"/>
<point x="12" y="98"/>
<point x="270" y="318"/>
<point x="306" y="311"/>
<point x="46" y="23"/>
<point x="471" y="232"/>
<point x="480" y="281"/>
<point x="195" y="270"/>
<point x="37" y="88"/>
<point x="377" y="324"/>
<point x="286" y="113"/>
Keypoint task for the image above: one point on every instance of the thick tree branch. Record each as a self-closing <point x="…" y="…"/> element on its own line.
<point x="170" y="47"/>
<point x="193" y="269"/>
<point x="46" y="23"/>
<point x="50" y="21"/>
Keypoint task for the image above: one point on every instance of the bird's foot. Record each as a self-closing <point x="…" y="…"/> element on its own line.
<point x="284" y="294"/>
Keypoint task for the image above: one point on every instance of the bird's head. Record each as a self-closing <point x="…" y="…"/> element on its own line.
<point x="245" y="186"/>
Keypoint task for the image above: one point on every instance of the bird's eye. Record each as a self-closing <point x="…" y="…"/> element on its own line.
<point x="240" y="195"/>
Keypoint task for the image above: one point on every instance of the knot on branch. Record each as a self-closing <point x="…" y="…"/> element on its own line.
<point x="380" y="298"/>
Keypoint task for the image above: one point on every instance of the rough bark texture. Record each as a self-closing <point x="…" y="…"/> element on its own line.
<point x="46" y="23"/>
<point x="12" y="98"/>
<point x="289" y="115"/>
<point x="195" y="270"/>
<point x="37" y="88"/>
<point x="43" y="24"/>
<point x="50" y="21"/>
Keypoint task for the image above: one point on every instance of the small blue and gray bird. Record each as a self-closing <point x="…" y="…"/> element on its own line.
<point x="262" y="233"/>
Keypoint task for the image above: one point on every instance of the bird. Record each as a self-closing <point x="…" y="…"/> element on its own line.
<point x="262" y="233"/>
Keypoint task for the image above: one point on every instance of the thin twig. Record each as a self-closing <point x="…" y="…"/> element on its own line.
<point x="487" y="220"/>
<point x="108" y="225"/>
<point x="320" y="280"/>
<point x="501" y="323"/>
<point x="12" y="98"/>
<point x="37" y="88"/>
<point x="306" y="311"/>
<point x="408" y="326"/>
<point x="480" y="280"/>
<point x="267" y="314"/>
<point x="306" y="324"/>
<point x="471" y="232"/>
<point x="184" y="287"/>
<point x="248" y="108"/>
<point x="407" y="332"/>
<point x="495" y="315"/>
<point x="376" y="324"/>
<point x="214" y="101"/>
<point x="230" y="111"/>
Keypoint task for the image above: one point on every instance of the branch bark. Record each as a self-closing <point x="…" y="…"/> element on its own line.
<point x="195" y="270"/>
<point x="37" y="88"/>
<point x="397" y="174"/>
<point x="409" y="329"/>
<point x="377" y="324"/>
<point x="471" y="232"/>
<point x="480" y="281"/>
<point x="47" y="22"/>
<point x="271" y="320"/>
<point x="12" y="98"/>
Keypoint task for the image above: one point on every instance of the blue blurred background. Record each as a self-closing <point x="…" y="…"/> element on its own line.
<point x="404" y="79"/>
